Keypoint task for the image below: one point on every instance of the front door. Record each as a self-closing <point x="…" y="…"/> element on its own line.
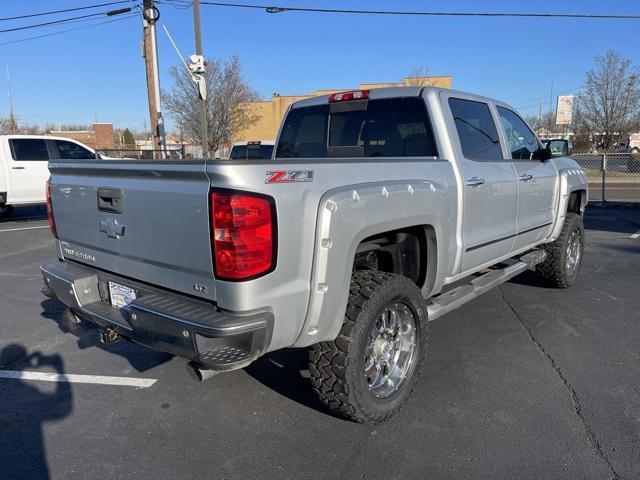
<point x="537" y="180"/>
<point x="28" y="170"/>
<point x="489" y="181"/>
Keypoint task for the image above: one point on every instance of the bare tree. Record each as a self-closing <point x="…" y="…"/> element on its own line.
<point x="418" y="77"/>
<point x="544" y="125"/>
<point x="7" y="126"/>
<point x="227" y="89"/>
<point x="610" y="104"/>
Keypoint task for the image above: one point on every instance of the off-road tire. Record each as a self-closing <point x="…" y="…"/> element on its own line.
<point x="553" y="271"/>
<point x="337" y="367"/>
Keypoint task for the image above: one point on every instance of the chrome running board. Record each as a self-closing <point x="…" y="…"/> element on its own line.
<point x="446" y="302"/>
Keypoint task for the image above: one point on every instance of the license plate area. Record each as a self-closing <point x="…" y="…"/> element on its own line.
<point x="121" y="296"/>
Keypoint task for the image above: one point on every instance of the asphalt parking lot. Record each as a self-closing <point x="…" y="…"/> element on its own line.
<point x="524" y="382"/>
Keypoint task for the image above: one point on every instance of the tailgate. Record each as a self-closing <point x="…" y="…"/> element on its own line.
<point x="144" y="220"/>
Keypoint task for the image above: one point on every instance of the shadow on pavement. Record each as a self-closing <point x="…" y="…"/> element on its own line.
<point x="284" y="371"/>
<point x="24" y="409"/>
<point x="25" y="214"/>
<point x="613" y="219"/>
<point x="139" y="357"/>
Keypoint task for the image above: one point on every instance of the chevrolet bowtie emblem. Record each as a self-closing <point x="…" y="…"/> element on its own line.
<point x="112" y="228"/>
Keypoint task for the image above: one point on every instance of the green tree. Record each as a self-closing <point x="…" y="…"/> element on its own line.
<point x="128" y="139"/>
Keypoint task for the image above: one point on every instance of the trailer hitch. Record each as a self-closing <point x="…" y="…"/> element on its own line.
<point x="109" y="335"/>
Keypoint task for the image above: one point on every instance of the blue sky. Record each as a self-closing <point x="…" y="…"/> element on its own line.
<point x="98" y="71"/>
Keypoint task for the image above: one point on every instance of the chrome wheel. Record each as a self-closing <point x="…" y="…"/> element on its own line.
<point x="390" y="353"/>
<point x="574" y="252"/>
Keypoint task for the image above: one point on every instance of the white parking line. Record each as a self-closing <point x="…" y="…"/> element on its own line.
<point x="635" y="235"/>
<point x="71" y="378"/>
<point x="23" y="228"/>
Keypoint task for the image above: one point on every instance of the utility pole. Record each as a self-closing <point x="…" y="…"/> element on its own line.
<point x="150" y="16"/>
<point x="200" y="79"/>
<point x="12" y="119"/>
<point x="551" y="100"/>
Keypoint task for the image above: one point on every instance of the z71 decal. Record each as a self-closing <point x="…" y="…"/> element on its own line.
<point x="289" y="176"/>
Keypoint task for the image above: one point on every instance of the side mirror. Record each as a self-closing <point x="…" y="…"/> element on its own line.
<point x="542" y="154"/>
<point x="560" y="147"/>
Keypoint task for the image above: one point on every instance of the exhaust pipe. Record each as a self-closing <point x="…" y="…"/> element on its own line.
<point x="199" y="374"/>
<point x="71" y="317"/>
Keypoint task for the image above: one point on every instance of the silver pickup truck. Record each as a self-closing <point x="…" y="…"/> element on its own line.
<point x="347" y="241"/>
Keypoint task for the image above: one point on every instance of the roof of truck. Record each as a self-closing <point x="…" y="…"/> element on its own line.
<point x="391" y="92"/>
<point x="44" y="137"/>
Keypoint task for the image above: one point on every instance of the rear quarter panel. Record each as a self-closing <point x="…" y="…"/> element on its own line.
<point x="307" y="292"/>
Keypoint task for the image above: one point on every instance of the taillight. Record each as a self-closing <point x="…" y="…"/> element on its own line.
<point x="52" y="221"/>
<point x="243" y="235"/>
<point x="346" y="96"/>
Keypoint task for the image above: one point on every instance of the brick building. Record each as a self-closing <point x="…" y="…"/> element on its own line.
<point x="100" y="137"/>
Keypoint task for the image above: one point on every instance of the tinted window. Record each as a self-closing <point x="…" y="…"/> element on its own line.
<point x="304" y="133"/>
<point x="476" y="130"/>
<point x="390" y="127"/>
<point x="522" y="141"/>
<point x="251" y="152"/>
<point x="25" y="149"/>
<point x="72" y="151"/>
<point x="394" y="127"/>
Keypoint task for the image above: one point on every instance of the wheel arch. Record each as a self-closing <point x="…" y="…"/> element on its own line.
<point x="573" y="195"/>
<point x="350" y="215"/>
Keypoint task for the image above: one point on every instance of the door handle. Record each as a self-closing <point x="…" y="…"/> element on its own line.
<point x="474" y="182"/>
<point x="110" y="200"/>
<point x="525" y="177"/>
<point x="17" y="168"/>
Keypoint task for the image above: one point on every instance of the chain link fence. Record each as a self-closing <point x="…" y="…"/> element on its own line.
<point x="613" y="176"/>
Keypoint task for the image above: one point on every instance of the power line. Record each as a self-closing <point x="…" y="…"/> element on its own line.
<point x="53" y="12"/>
<point x="53" y="22"/>
<point x="536" y="101"/>
<point x="179" y="4"/>
<point x="79" y="18"/>
<point x="69" y="30"/>
<point x="276" y="9"/>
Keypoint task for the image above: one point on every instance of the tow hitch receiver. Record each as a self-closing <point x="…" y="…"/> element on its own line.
<point x="109" y="335"/>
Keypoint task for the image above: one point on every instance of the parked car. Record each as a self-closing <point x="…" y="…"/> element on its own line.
<point x="630" y="144"/>
<point x="348" y="241"/>
<point x="23" y="166"/>
<point x="252" y="150"/>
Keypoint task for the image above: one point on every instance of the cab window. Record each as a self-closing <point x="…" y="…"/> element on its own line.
<point x="476" y="130"/>
<point x="72" y="151"/>
<point x="389" y="127"/>
<point x="522" y="142"/>
<point x="29" y="149"/>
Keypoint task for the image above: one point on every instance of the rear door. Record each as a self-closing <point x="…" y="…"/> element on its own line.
<point x="490" y="185"/>
<point x="537" y="180"/>
<point x="28" y="171"/>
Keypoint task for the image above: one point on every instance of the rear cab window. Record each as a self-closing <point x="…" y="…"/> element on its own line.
<point x="251" y="152"/>
<point x="29" y="149"/>
<point x="476" y="129"/>
<point x="387" y="127"/>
